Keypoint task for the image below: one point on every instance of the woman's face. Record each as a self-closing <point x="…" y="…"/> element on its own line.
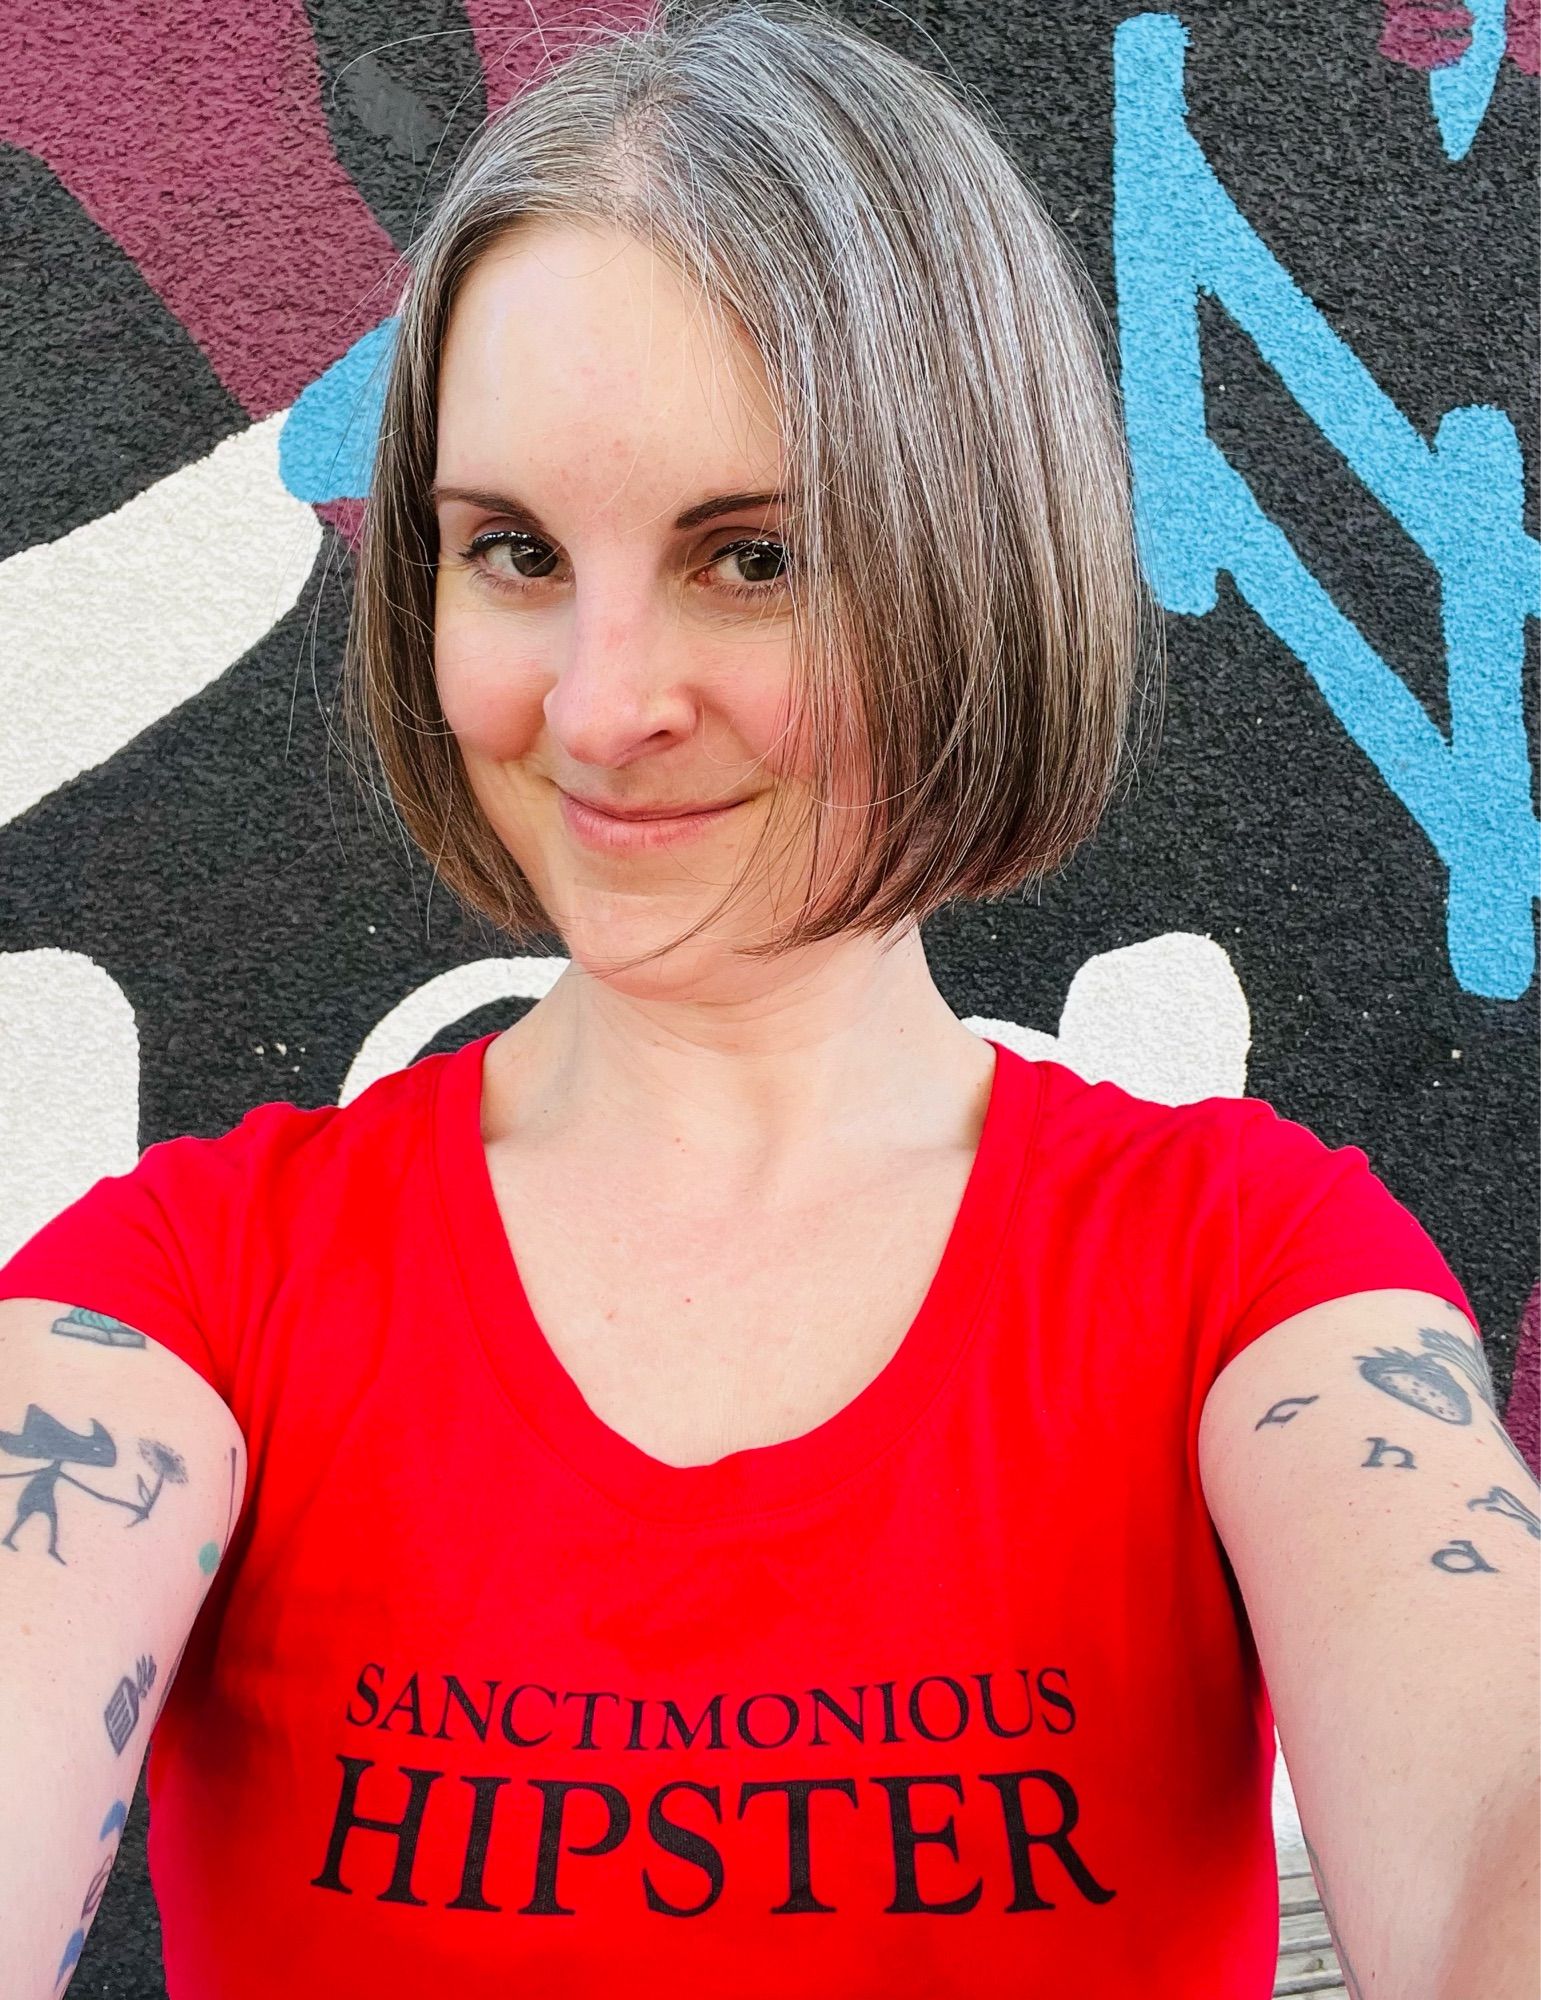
<point x="612" y="619"/>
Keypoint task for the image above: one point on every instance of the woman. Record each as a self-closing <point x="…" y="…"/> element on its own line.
<point x="736" y="1484"/>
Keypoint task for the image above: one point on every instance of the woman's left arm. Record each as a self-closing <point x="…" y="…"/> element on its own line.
<point x="1384" y="1531"/>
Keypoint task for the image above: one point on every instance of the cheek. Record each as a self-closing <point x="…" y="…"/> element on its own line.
<point x="762" y="716"/>
<point x="490" y="697"/>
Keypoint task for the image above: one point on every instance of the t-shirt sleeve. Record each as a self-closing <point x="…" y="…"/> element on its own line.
<point x="1315" y="1222"/>
<point x="149" y="1247"/>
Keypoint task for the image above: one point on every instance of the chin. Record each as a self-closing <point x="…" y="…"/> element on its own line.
<point x="600" y="933"/>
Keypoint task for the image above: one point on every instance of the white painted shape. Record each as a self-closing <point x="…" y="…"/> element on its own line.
<point x="126" y="617"/>
<point x="1167" y="1020"/>
<point x="412" y="1023"/>
<point x="1170" y="1012"/>
<point x="69" y="1086"/>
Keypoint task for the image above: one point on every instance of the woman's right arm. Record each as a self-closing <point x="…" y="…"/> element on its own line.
<point x="121" y="1473"/>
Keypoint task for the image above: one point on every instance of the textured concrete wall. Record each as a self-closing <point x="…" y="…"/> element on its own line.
<point x="1314" y="226"/>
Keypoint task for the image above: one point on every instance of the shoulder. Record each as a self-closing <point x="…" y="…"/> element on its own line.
<point x="1096" y="1124"/>
<point x="279" y="1143"/>
<point x="1208" y="1181"/>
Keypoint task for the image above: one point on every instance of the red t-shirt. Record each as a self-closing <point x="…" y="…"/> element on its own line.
<point x="950" y="1696"/>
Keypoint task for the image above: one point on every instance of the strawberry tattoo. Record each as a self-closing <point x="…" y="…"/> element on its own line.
<point x="1431" y="1381"/>
<point x="1417" y="1379"/>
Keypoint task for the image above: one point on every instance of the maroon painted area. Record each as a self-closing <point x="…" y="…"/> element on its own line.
<point x="1522" y="1413"/>
<point x="514" y="42"/>
<point x="1523" y="35"/>
<point x="346" y="516"/>
<point x="199" y="144"/>
<point x="1424" y="36"/>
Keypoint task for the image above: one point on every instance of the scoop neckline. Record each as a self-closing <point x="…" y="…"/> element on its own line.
<point x="760" y="1478"/>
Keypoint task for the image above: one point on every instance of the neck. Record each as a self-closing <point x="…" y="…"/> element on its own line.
<point x="850" y="1050"/>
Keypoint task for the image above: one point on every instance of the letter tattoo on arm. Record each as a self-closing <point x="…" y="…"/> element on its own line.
<point x="1291" y="1406"/>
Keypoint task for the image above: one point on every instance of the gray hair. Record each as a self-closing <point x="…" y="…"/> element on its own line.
<point x="970" y="609"/>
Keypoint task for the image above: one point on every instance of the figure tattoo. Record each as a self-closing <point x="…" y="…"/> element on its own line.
<point x="43" y="1436"/>
<point x="1290" y="1405"/>
<point x="113" y="1824"/>
<point x="122" y="1710"/>
<point x="1435" y="1381"/>
<point x="83" y="1324"/>
<point x="1501" y="1501"/>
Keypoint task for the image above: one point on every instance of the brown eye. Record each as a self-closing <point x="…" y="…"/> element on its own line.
<point x="753" y="556"/>
<point x="483" y="548"/>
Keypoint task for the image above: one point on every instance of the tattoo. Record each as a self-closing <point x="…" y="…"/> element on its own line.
<point x="83" y="1324"/>
<point x="1291" y="1405"/>
<point x="1425" y="1381"/>
<point x="209" y="1555"/>
<point x="1460" y="1559"/>
<point x="122" y="1711"/>
<point x="43" y="1436"/>
<point x="112" y="1824"/>
<point x="1405" y="1462"/>
<point x="1501" y="1501"/>
<point x="1345" y="1964"/>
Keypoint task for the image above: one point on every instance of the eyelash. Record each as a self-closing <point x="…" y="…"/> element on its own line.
<point x="477" y="548"/>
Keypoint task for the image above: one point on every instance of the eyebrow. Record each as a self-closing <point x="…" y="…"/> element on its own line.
<point x="500" y="503"/>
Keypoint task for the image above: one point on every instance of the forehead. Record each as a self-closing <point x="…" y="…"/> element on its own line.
<point x="576" y="358"/>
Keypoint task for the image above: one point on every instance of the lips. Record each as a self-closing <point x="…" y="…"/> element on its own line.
<point x="607" y="832"/>
<point x="684" y="811"/>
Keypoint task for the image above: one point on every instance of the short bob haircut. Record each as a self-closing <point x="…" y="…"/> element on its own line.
<point x="969" y="605"/>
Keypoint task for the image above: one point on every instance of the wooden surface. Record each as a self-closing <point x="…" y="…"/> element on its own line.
<point x="1307" y="1962"/>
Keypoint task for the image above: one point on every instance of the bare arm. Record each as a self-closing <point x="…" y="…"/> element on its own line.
<point x="121" y="1474"/>
<point x="1384" y="1531"/>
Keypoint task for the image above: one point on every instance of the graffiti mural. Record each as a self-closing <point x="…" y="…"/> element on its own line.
<point x="1313" y="231"/>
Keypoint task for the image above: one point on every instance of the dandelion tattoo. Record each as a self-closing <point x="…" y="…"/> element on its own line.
<point x="43" y="1436"/>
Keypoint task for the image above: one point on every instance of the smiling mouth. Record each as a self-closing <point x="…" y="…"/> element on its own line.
<point x="612" y="833"/>
<point x="643" y="813"/>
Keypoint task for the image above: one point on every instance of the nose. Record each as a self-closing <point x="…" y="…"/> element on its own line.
<point x="620" y="682"/>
